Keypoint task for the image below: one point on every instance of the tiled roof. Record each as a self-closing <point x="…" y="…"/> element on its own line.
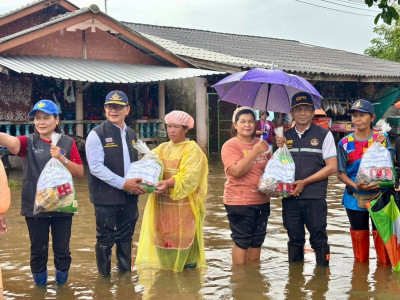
<point x="91" y="70"/>
<point x="288" y="55"/>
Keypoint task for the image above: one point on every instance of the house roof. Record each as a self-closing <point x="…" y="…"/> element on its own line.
<point x="128" y="35"/>
<point x="35" y="6"/>
<point x="91" y="70"/>
<point x="288" y="55"/>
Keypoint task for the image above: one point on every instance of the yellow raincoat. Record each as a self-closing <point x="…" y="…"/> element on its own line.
<point x="171" y="236"/>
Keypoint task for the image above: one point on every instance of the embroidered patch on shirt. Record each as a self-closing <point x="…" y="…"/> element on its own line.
<point x="314" y="142"/>
<point x="109" y="140"/>
<point x="289" y="144"/>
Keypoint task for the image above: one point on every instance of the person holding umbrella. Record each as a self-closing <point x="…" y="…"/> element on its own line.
<point x="314" y="153"/>
<point x="350" y="151"/>
<point x="265" y="128"/>
<point x="244" y="157"/>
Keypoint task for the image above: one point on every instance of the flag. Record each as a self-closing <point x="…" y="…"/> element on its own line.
<point x="386" y="217"/>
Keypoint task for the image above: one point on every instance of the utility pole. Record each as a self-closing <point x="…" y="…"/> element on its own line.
<point x="105" y="6"/>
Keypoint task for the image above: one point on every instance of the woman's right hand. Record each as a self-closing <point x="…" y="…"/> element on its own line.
<point x="280" y="141"/>
<point x="261" y="147"/>
<point x="362" y="186"/>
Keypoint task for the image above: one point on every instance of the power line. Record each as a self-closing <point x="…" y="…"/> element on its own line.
<point x="344" y="11"/>
<point x="347" y="1"/>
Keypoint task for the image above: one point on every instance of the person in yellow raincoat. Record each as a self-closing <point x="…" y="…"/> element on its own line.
<point x="171" y="236"/>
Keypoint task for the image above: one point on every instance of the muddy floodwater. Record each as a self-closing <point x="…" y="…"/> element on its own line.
<point x="273" y="278"/>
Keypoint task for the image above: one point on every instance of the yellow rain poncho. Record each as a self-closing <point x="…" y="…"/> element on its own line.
<point x="171" y="236"/>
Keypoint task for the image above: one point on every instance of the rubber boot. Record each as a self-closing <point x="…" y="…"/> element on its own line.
<point x="295" y="253"/>
<point x="124" y="257"/>
<point x="322" y="256"/>
<point x="40" y="278"/>
<point x="360" y="240"/>
<point x="380" y="248"/>
<point x="61" y="276"/>
<point x="103" y="259"/>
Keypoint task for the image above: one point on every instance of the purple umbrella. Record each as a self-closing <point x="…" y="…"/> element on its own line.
<point x="264" y="89"/>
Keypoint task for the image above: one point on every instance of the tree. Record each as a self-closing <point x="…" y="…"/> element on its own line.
<point x="387" y="44"/>
<point x="389" y="12"/>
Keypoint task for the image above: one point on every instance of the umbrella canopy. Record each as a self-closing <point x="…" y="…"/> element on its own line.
<point x="386" y="217"/>
<point x="263" y="89"/>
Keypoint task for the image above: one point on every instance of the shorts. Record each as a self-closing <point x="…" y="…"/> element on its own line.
<point x="248" y="224"/>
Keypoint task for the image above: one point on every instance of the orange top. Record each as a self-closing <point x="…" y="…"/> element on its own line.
<point x="243" y="190"/>
<point x="4" y="190"/>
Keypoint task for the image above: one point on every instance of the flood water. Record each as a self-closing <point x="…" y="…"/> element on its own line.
<point x="273" y="278"/>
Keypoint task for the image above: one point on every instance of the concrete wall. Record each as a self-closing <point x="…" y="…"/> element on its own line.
<point x="180" y="95"/>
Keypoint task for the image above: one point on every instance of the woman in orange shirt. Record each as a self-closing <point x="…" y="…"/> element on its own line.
<point x="4" y="198"/>
<point x="244" y="158"/>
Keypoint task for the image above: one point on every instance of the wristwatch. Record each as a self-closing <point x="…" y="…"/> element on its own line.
<point x="66" y="161"/>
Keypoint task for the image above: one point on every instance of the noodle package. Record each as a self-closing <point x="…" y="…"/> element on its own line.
<point x="377" y="165"/>
<point x="55" y="188"/>
<point x="149" y="168"/>
<point x="279" y="172"/>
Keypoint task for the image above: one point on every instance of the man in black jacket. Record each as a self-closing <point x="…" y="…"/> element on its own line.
<point x="314" y="153"/>
<point x="109" y="152"/>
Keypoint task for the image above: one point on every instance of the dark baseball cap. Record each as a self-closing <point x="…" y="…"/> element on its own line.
<point x="46" y="106"/>
<point x="301" y="98"/>
<point x="116" y="97"/>
<point x="362" y="106"/>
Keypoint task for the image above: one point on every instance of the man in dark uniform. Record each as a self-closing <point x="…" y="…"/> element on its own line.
<point x="109" y="152"/>
<point x="314" y="154"/>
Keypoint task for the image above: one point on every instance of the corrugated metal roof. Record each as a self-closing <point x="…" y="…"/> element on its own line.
<point x="96" y="70"/>
<point x="291" y="56"/>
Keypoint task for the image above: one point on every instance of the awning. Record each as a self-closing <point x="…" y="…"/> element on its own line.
<point x="91" y="70"/>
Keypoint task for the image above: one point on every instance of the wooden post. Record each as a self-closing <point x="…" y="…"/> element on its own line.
<point x="79" y="108"/>
<point x="161" y="108"/>
<point x="201" y="113"/>
<point x="1" y="285"/>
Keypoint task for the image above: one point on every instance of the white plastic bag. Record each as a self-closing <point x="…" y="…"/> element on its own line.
<point x="149" y="168"/>
<point x="376" y="164"/>
<point x="279" y="172"/>
<point x="55" y="188"/>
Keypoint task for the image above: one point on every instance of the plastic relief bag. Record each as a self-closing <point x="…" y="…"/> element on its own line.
<point x="376" y="164"/>
<point x="149" y="168"/>
<point x="279" y="172"/>
<point x="55" y="188"/>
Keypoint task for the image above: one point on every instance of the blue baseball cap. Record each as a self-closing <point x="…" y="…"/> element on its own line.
<point x="46" y="106"/>
<point x="116" y="97"/>
<point x="362" y="106"/>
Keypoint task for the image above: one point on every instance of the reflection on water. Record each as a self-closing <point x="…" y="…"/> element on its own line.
<point x="273" y="278"/>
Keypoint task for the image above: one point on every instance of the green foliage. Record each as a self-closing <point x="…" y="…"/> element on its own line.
<point x="387" y="44"/>
<point x="389" y="12"/>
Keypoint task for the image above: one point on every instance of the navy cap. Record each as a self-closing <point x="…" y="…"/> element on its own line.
<point x="116" y="97"/>
<point x="301" y="98"/>
<point x="46" y="106"/>
<point x="362" y="106"/>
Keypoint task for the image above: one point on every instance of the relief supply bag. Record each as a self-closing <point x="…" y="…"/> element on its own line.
<point x="377" y="165"/>
<point x="55" y="189"/>
<point x="279" y="172"/>
<point x="149" y="168"/>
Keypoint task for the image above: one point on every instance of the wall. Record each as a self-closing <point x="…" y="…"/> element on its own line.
<point x="180" y="95"/>
<point x="100" y="45"/>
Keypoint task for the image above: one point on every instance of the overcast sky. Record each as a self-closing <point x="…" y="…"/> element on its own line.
<point x="317" y="23"/>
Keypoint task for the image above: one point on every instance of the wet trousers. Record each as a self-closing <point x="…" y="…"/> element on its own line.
<point x="39" y="229"/>
<point x="115" y="224"/>
<point x="359" y="219"/>
<point x="297" y="213"/>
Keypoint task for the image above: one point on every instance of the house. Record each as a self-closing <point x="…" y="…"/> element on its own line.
<point x="51" y="49"/>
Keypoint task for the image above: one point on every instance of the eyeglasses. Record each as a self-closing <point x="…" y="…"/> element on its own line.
<point x="303" y="108"/>
<point x="114" y="106"/>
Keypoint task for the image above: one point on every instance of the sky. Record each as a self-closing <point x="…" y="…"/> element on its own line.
<point x="315" y="22"/>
